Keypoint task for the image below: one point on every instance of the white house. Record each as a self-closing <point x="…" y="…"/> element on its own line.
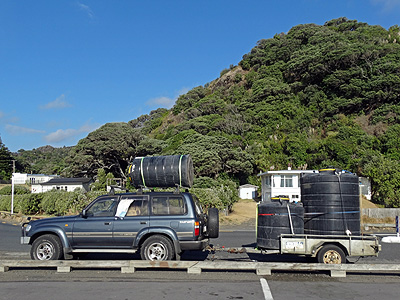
<point x="23" y="178"/>
<point x="287" y="182"/>
<point x="283" y="182"/>
<point x="66" y="184"/>
<point x="248" y="191"/>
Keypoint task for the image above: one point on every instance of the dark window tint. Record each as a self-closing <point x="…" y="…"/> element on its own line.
<point x="103" y="208"/>
<point x="168" y="206"/>
<point x="138" y="208"/>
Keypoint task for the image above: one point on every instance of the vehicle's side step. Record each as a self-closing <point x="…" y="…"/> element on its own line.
<point x="104" y="251"/>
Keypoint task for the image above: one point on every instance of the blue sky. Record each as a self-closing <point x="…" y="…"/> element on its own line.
<point x="67" y="67"/>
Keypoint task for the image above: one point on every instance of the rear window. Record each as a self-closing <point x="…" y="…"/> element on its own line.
<point x="173" y="205"/>
<point x="199" y="208"/>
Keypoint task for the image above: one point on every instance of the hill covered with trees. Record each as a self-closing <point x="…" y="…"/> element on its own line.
<point x="316" y="96"/>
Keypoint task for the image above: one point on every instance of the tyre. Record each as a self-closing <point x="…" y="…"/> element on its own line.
<point x="157" y="247"/>
<point x="213" y="223"/>
<point x="331" y="254"/>
<point x="47" y="247"/>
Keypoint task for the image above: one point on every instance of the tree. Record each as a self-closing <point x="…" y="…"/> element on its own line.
<point x="5" y="162"/>
<point x="110" y="147"/>
<point x="385" y="180"/>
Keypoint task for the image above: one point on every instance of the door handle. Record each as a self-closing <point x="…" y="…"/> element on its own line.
<point x="107" y="223"/>
<point x="143" y="222"/>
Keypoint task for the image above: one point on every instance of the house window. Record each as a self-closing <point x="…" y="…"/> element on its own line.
<point x="286" y="181"/>
<point x="268" y="181"/>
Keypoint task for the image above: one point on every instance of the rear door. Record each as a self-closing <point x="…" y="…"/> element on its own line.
<point x="170" y="211"/>
<point x="132" y="217"/>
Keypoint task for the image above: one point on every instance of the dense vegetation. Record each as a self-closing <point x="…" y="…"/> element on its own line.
<point x="5" y="162"/>
<point x="316" y="96"/>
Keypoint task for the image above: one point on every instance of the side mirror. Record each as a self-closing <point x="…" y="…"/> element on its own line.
<point x="85" y="214"/>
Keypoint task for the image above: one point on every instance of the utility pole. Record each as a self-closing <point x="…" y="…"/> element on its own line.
<point x="12" y="188"/>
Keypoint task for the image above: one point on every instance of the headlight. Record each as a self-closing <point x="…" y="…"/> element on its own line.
<point x="27" y="228"/>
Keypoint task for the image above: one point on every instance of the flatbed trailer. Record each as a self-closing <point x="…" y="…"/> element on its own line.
<point x="328" y="249"/>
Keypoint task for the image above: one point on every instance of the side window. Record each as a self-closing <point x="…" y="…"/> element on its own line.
<point x="130" y="207"/>
<point x="177" y="206"/>
<point x="168" y="206"/>
<point x="103" y="208"/>
<point x="160" y="206"/>
<point x="138" y="207"/>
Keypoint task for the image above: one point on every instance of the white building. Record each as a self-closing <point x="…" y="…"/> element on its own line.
<point x="23" y="178"/>
<point x="248" y="191"/>
<point x="287" y="183"/>
<point x="66" y="184"/>
<point x="283" y="182"/>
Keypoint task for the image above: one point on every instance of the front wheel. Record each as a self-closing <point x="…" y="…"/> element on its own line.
<point x="331" y="254"/>
<point x="157" y="247"/>
<point x="47" y="247"/>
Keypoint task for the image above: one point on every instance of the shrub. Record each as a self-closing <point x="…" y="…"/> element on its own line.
<point x="18" y="190"/>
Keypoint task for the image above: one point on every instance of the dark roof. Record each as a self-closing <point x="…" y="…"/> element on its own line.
<point x="58" y="181"/>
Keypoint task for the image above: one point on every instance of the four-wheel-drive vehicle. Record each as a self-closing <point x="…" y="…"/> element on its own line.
<point x="161" y="225"/>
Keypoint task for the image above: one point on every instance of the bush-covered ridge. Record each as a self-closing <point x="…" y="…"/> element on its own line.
<point x="317" y="96"/>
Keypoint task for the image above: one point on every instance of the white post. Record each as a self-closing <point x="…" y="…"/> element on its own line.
<point x="12" y="193"/>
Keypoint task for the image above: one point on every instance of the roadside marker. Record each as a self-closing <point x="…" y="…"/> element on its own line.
<point x="266" y="289"/>
<point x="393" y="239"/>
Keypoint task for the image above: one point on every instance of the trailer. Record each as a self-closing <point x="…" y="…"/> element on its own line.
<point x="327" y="249"/>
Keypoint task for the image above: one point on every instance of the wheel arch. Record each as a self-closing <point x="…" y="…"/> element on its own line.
<point x="168" y="233"/>
<point x="54" y="231"/>
<point x="322" y="245"/>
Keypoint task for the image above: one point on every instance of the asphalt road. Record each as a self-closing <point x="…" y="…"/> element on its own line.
<point x="149" y="284"/>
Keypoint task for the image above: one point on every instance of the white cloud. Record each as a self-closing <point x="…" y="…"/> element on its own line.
<point x="166" y="101"/>
<point x="161" y="101"/>
<point x="66" y="134"/>
<point x="17" y="130"/>
<point x="86" y="9"/>
<point x="56" y="104"/>
<point x="387" y="5"/>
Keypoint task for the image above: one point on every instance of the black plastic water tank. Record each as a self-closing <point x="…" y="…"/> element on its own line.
<point x="273" y="220"/>
<point x="162" y="171"/>
<point x="331" y="203"/>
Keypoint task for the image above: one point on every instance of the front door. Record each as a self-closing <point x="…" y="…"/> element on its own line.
<point x="95" y="230"/>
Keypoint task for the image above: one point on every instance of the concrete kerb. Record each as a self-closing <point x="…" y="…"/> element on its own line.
<point x="196" y="267"/>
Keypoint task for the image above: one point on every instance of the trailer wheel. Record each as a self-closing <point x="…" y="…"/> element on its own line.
<point x="331" y="254"/>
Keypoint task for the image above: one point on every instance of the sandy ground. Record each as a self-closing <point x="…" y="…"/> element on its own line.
<point x="243" y="213"/>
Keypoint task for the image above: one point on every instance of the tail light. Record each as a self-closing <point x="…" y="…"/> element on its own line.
<point x="196" y="228"/>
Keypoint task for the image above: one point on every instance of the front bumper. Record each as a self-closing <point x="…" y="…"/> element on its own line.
<point x="25" y="240"/>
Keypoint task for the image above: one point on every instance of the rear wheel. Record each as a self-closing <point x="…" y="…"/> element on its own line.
<point x="331" y="254"/>
<point x="157" y="247"/>
<point x="47" y="247"/>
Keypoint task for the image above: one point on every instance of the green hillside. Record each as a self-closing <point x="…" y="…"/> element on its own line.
<point x="316" y="96"/>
